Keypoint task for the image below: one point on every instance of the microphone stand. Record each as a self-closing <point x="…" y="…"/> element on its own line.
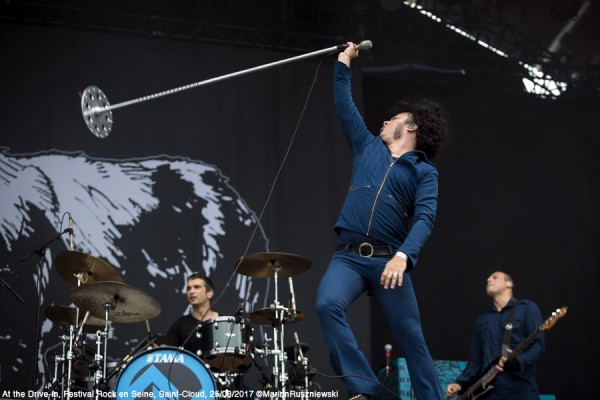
<point x="3" y="283"/>
<point x="96" y="111"/>
<point x="41" y="252"/>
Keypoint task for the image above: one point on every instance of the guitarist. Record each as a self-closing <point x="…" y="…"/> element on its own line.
<point x="516" y="380"/>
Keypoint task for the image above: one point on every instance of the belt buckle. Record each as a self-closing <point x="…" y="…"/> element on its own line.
<point x="368" y="246"/>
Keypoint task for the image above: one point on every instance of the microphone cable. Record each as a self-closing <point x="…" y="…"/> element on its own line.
<point x="275" y="180"/>
<point x="258" y="219"/>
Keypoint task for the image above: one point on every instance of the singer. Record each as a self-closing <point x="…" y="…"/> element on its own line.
<point x="199" y="292"/>
<point x="387" y="216"/>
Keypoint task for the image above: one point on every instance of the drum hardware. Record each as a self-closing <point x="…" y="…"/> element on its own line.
<point x="59" y="368"/>
<point x="65" y="316"/>
<point x="275" y="265"/>
<point x="298" y="350"/>
<point x="42" y="261"/>
<point x="116" y="302"/>
<point x="100" y="361"/>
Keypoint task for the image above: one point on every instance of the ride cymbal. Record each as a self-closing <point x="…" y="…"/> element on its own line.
<point x="92" y="269"/>
<point x="127" y="303"/>
<point x="264" y="265"/>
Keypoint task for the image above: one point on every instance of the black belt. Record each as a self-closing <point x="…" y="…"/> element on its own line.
<point x="366" y="249"/>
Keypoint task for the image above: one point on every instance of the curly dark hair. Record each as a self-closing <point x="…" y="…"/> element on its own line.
<point x="431" y="122"/>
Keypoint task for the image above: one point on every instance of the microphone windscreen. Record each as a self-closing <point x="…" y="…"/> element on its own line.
<point x="364" y="45"/>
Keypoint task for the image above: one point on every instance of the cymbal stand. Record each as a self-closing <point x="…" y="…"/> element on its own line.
<point x="70" y="355"/>
<point x="279" y="371"/>
<point x="59" y="369"/>
<point x="101" y="352"/>
<point x="304" y="361"/>
<point x="70" y="361"/>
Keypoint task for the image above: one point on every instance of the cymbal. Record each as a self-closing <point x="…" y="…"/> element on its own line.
<point x="264" y="265"/>
<point x="128" y="304"/>
<point x="266" y="316"/>
<point x="293" y="348"/>
<point x="92" y="269"/>
<point x="65" y="316"/>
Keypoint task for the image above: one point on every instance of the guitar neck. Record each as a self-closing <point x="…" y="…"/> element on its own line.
<point x="523" y="345"/>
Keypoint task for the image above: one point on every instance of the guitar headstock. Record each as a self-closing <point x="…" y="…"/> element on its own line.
<point x="556" y="315"/>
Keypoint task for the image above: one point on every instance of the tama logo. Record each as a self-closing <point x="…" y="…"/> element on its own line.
<point x="165" y="358"/>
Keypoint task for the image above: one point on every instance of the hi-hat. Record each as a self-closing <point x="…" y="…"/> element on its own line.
<point x="65" y="316"/>
<point x="71" y="263"/>
<point x="127" y="304"/>
<point x="268" y="316"/>
<point x="264" y="265"/>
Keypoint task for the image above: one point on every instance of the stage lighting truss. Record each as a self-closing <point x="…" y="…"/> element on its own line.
<point x="535" y="81"/>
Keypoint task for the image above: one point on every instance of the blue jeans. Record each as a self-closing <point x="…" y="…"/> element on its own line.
<point x="346" y="279"/>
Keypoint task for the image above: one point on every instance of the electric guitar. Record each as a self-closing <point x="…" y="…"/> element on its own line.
<point x="483" y="387"/>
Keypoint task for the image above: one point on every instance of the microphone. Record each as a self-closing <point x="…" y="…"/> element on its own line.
<point x="300" y="353"/>
<point x="70" y="232"/>
<point x="364" y="45"/>
<point x="388" y="351"/>
<point x="293" y="299"/>
<point x="148" y="330"/>
<point x="239" y="313"/>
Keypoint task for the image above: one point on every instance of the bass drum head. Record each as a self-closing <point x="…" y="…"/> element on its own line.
<point x="166" y="372"/>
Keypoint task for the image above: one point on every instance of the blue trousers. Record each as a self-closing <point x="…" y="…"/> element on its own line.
<point x="346" y="279"/>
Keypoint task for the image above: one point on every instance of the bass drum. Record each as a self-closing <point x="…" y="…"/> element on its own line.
<point x="166" y="372"/>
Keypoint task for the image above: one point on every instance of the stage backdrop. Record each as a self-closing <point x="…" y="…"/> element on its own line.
<point x="179" y="185"/>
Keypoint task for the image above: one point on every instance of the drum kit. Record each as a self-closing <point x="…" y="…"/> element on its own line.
<point x="226" y="348"/>
<point x="97" y="290"/>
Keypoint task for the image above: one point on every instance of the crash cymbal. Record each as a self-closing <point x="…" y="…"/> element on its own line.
<point x="263" y="265"/>
<point x="128" y="304"/>
<point x="92" y="269"/>
<point x="266" y="316"/>
<point x="292" y="349"/>
<point x="65" y="316"/>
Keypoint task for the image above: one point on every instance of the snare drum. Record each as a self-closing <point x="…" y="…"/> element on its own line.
<point x="225" y="344"/>
<point x="166" y="372"/>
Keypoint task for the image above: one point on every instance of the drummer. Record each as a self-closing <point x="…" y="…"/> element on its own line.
<point x="199" y="292"/>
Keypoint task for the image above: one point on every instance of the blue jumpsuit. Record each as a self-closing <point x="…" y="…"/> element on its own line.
<point x="392" y="203"/>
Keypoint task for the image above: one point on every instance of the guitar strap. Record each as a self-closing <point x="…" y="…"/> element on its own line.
<point x="508" y="329"/>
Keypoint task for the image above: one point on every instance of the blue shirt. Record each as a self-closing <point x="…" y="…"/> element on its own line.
<point x="486" y="347"/>
<point x="394" y="202"/>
